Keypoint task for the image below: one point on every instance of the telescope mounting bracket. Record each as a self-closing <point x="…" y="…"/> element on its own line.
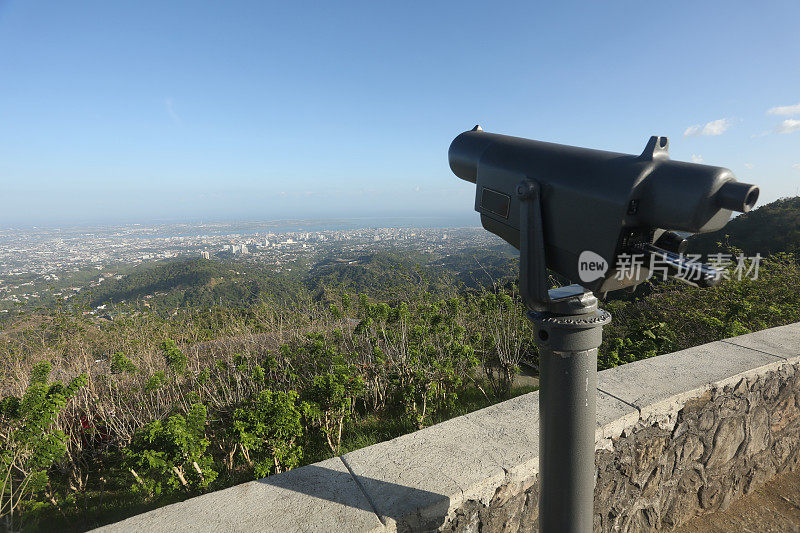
<point x="533" y="277"/>
<point x="568" y="329"/>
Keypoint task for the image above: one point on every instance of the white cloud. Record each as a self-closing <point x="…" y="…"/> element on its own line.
<point x="787" y="110"/>
<point x="749" y="166"/>
<point x="693" y="131"/>
<point x="697" y="158"/>
<point x="762" y="134"/>
<point x="790" y="125"/>
<point x="170" y="106"/>
<point x="715" y="127"/>
<point x="796" y="166"/>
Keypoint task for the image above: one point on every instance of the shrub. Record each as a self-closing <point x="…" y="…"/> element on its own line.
<point x="175" y="359"/>
<point x="171" y="455"/>
<point x="267" y="431"/>
<point x="121" y="364"/>
<point x="30" y="442"/>
<point x="155" y="382"/>
<point x="333" y="395"/>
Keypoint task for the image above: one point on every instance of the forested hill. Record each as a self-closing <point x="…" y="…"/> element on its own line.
<point x="385" y="273"/>
<point x="774" y="227"/>
<point x="395" y="275"/>
<point x="196" y="282"/>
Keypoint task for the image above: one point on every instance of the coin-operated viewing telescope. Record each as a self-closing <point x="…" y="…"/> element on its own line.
<point x="589" y="207"/>
<point x="580" y="213"/>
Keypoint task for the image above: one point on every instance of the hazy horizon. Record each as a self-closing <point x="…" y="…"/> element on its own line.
<point x="377" y="221"/>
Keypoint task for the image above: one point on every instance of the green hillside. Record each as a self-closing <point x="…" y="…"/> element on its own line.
<point x="195" y="283"/>
<point x="481" y="267"/>
<point x="774" y="227"/>
<point x="391" y="275"/>
<point x="388" y="274"/>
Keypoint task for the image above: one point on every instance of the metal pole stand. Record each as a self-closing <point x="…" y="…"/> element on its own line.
<point x="569" y="329"/>
<point x="568" y="334"/>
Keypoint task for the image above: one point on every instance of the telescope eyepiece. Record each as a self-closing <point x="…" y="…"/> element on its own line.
<point x="466" y="151"/>
<point x="737" y="196"/>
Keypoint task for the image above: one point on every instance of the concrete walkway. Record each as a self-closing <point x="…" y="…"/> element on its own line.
<point x="774" y="508"/>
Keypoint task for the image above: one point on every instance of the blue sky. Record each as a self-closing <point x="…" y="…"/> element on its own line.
<point x="135" y="111"/>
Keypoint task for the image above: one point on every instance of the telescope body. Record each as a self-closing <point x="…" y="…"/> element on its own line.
<point x="579" y="212"/>
<point x="592" y="200"/>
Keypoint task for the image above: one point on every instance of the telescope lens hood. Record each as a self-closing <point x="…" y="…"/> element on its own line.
<point x="737" y="196"/>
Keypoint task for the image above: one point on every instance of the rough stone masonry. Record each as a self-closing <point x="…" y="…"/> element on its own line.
<point x="662" y="472"/>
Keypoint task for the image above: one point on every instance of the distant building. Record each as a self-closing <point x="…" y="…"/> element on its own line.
<point x="205" y="255"/>
<point x="244" y="250"/>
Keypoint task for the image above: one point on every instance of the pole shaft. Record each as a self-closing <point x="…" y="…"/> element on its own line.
<point x="568" y="416"/>
<point x="567" y="411"/>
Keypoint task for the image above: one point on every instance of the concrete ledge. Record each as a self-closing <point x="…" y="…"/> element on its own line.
<point x="783" y="341"/>
<point x="319" y="497"/>
<point x="482" y="468"/>
<point x="660" y="386"/>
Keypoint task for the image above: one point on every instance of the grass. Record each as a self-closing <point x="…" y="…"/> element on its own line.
<point x="109" y="499"/>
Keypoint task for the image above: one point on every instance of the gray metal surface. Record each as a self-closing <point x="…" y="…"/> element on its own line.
<point x="577" y="211"/>
<point x="567" y="405"/>
<point x="592" y="200"/>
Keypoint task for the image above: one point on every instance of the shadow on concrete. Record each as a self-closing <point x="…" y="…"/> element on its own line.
<point x="407" y="506"/>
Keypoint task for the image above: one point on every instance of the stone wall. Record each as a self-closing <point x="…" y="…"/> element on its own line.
<point x="659" y="474"/>
<point x="677" y="435"/>
<point x="723" y="444"/>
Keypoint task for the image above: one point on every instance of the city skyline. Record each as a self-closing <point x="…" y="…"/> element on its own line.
<point x="123" y="113"/>
<point x="56" y="264"/>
